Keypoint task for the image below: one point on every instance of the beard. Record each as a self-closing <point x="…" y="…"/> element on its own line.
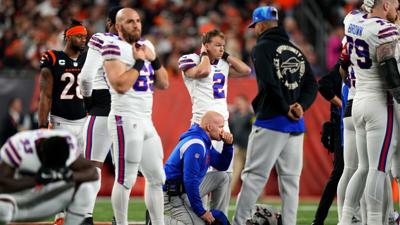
<point x="77" y="48"/>
<point x="130" y="37"/>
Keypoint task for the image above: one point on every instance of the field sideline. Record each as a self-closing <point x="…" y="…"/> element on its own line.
<point x="307" y="208"/>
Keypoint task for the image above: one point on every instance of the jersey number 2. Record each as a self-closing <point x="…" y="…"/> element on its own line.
<point x="71" y="81"/>
<point x="218" y="86"/>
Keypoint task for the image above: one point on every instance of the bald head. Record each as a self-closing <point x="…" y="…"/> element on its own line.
<point x="213" y="123"/>
<point x="124" y="14"/>
<point x="211" y="117"/>
<point x="128" y="25"/>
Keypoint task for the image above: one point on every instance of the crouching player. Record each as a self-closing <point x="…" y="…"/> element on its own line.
<point x="41" y="174"/>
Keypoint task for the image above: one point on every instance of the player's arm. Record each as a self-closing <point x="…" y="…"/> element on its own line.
<point x="46" y="92"/>
<point x="89" y="70"/>
<point x="83" y="171"/>
<point x="120" y="78"/>
<point x="161" y="76"/>
<point x="7" y="182"/>
<point x="201" y="70"/>
<point x="237" y="66"/>
<point x="386" y="57"/>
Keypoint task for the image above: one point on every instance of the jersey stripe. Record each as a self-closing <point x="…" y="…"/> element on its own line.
<point x="187" y="144"/>
<point x="111" y="52"/>
<point x="94" y="44"/>
<point x="97" y="39"/>
<point x="121" y="150"/>
<point x="11" y="157"/>
<point x="388" y="136"/>
<point x="14" y="150"/>
<point x="53" y="56"/>
<point x="385" y="35"/>
<point x="387" y="29"/>
<point x="89" y="138"/>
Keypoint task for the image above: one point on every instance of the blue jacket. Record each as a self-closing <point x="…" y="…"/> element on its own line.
<point x="189" y="162"/>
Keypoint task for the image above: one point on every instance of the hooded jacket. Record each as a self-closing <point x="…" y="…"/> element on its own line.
<point x="189" y="162"/>
<point x="284" y="76"/>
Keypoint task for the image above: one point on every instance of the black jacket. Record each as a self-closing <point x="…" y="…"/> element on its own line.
<point x="284" y="76"/>
<point x="329" y="86"/>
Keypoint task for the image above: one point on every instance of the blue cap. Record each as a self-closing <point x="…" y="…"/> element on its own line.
<point x="264" y="13"/>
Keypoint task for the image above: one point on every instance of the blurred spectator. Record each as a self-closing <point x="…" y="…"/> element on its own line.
<point x="334" y="46"/>
<point x="240" y="123"/>
<point x="30" y="27"/>
<point x="13" y="121"/>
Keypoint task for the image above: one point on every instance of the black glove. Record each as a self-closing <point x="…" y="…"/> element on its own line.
<point x="48" y="175"/>
<point x="88" y="103"/>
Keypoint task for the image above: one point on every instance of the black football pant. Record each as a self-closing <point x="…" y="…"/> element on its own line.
<point x="329" y="192"/>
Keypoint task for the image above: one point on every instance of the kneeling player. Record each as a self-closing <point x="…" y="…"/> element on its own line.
<point x="42" y="173"/>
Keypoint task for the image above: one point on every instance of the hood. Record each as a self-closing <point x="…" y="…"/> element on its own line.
<point x="275" y="33"/>
<point x="196" y="131"/>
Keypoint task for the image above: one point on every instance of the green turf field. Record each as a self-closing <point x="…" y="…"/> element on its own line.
<point x="103" y="211"/>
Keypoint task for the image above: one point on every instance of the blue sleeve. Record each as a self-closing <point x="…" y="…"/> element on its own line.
<point x="192" y="161"/>
<point x="221" y="161"/>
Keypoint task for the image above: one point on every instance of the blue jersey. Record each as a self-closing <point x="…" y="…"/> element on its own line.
<point x="190" y="160"/>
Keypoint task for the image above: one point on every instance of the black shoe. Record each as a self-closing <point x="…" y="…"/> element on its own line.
<point x="316" y="223"/>
<point x="113" y="222"/>
<point x="148" y="220"/>
<point x="87" y="221"/>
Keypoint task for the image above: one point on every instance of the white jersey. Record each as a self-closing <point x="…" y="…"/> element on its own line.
<point x="92" y="74"/>
<point x="20" y="151"/>
<point x="138" y="101"/>
<point x="208" y="93"/>
<point x="364" y="35"/>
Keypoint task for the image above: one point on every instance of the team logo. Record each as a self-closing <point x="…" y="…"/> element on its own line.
<point x="197" y="155"/>
<point x="75" y="64"/>
<point x="289" y="65"/>
<point x="61" y="62"/>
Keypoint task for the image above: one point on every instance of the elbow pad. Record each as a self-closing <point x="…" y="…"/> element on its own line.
<point x="390" y="72"/>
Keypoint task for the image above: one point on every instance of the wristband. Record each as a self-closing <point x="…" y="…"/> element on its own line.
<point x="138" y="64"/>
<point x="225" y="56"/>
<point x="156" y="64"/>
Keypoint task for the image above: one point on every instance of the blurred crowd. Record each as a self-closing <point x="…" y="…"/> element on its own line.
<point x="29" y="27"/>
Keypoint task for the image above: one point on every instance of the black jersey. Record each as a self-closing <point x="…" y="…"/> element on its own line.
<point x="67" y="101"/>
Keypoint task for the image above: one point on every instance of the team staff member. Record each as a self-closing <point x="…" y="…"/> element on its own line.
<point x="186" y="170"/>
<point x="330" y="87"/>
<point x="286" y="88"/>
<point x="60" y="95"/>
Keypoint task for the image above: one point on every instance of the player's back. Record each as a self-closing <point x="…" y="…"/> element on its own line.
<point x="208" y="93"/>
<point x="67" y="101"/>
<point x="101" y="98"/>
<point x="364" y="35"/>
<point x="137" y="102"/>
<point x="20" y="150"/>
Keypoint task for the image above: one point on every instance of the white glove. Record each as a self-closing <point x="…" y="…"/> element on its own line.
<point x="367" y="5"/>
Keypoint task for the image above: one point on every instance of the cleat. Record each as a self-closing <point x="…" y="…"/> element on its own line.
<point x="87" y="221"/>
<point x="113" y="222"/>
<point x="59" y="220"/>
<point x="148" y="220"/>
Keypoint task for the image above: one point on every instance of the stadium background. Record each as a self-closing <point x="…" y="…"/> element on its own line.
<point x="29" y="27"/>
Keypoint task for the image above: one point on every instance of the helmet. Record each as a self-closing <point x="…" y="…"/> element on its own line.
<point x="264" y="215"/>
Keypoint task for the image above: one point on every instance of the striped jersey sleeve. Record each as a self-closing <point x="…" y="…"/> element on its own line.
<point x="48" y="59"/>
<point x="388" y="32"/>
<point x="187" y="62"/>
<point x="110" y="51"/>
<point x="96" y="42"/>
<point x="10" y="154"/>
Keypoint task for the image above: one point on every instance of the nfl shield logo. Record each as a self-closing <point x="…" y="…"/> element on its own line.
<point x="75" y="64"/>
